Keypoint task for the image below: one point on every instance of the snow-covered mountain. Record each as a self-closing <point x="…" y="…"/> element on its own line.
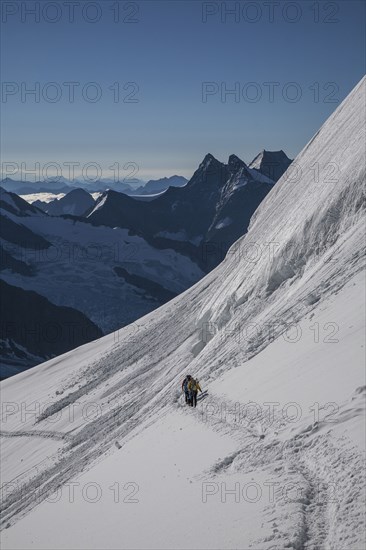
<point x="76" y="203"/>
<point x="201" y="219"/>
<point x="273" y="457"/>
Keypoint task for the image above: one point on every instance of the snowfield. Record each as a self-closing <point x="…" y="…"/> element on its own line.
<point x="99" y="450"/>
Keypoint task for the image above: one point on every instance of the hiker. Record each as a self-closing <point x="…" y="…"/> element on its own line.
<point x="185" y="387"/>
<point x="193" y="388"/>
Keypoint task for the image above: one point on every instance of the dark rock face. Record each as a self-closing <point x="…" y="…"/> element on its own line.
<point x="76" y="203"/>
<point x="157" y="186"/>
<point x="19" y="234"/>
<point x="148" y="287"/>
<point x="272" y="164"/>
<point x="34" y="330"/>
<point x="7" y="261"/>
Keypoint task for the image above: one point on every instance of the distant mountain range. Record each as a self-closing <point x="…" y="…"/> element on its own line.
<point x="62" y="185"/>
<point x="269" y="163"/>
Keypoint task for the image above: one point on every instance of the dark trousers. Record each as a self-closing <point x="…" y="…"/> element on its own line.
<point x="194" y="398"/>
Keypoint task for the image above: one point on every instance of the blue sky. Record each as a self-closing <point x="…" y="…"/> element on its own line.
<point x="313" y="53"/>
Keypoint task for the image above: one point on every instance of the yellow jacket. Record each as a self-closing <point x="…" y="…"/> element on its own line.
<point x="193" y="385"/>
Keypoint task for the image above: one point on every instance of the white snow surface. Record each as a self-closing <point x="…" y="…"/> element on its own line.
<point x="260" y="177"/>
<point x="223" y="223"/>
<point x="96" y="195"/>
<point x="276" y="336"/>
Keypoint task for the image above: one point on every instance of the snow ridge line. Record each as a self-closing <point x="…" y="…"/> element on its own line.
<point x="36" y="433"/>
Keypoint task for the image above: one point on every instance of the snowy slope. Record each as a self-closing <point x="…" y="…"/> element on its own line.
<point x="228" y="451"/>
<point x="284" y="309"/>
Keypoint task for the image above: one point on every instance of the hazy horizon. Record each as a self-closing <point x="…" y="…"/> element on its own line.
<point x="157" y="85"/>
<point x="33" y="173"/>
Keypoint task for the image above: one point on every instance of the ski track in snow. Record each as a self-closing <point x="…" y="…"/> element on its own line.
<point x="318" y="504"/>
